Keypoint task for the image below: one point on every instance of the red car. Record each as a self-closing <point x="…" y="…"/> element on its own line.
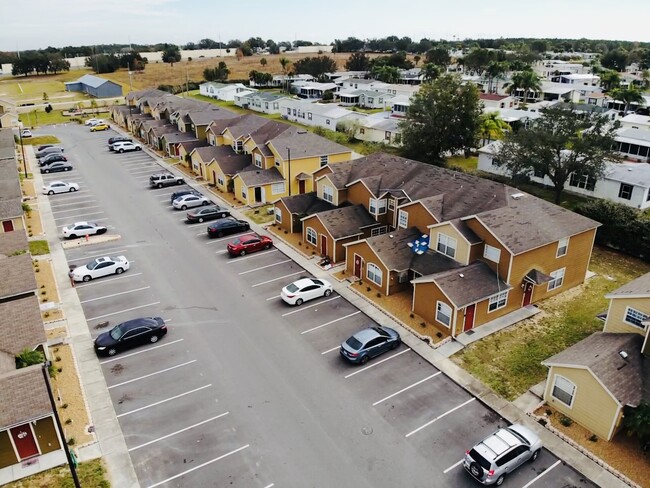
<point x="249" y="243"/>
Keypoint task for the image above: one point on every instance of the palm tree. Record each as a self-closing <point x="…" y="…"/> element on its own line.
<point x="645" y="77"/>
<point x="609" y="80"/>
<point x="431" y="71"/>
<point x="528" y="81"/>
<point x="493" y="71"/>
<point x="492" y="127"/>
<point x="284" y="62"/>
<point x="628" y="96"/>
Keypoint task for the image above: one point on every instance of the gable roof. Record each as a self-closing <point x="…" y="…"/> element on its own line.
<point x="345" y="221"/>
<point x="306" y="204"/>
<point x="23" y="396"/>
<point x="637" y="288"/>
<point x="599" y="352"/>
<point x="305" y="144"/>
<point x="17" y="276"/>
<point x="91" y="80"/>
<point x="21" y="325"/>
<point x="262" y="135"/>
<point x="11" y="242"/>
<point x="191" y="145"/>
<point x="244" y="125"/>
<point x="204" y="117"/>
<point x="254" y="176"/>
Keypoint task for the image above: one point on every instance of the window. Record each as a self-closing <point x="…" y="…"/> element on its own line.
<point x="377" y="231"/>
<point x="377" y="207"/>
<point x="312" y="237"/>
<point x="239" y="146"/>
<point x="391" y="203"/>
<point x="387" y="135"/>
<point x="266" y="105"/>
<point x="625" y="191"/>
<point x="374" y="274"/>
<point x="585" y="182"/>
<point x="308" y="116"/>
<point x="402" y="219"/>
<point x="288" y="111"/>
<point x="563" y="390"/>
<point x="362" y="130"/>
<point x="294" y="112"/>
<point x="562" y="246"/>
<point x="636" y="318"/>
<point x="539" y="173"/>
<point x="278" y="188"/>
<point x="498" y="301"/>
<point x="243" y="194"/>
<point x="278" y="215"/>
<point x="258" y="160"/>
<point x="558" y="279"/>
<point x="277" y="162"/>
<point x="443" y="313"/>
<point x="492" y="253"/>
<point x="447" y="245"/>
<point x="328" y="194"/>
<point x="324" y="160"/>
<point x="220" y="180"/>
<point x="327" y="122"/>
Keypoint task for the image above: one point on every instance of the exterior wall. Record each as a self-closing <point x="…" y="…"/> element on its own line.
<point x="196" y="163"/>
<point x="215" y="172"/>
<point x="588" y="392"/>
<point x="358" y="194"/>
<point x="17" y="222"/>
<point x="365" y="251"/>
<point x="327" y="183"/>
<point x="7" y="454"/>
<point x="200" y="132"/>
<point x="425" y="298"/>
<point x="418" y="216"/>
<point x="316" y="224"/>
<point x="617" y="311"/>
<point x="288" y="221"/>
<point x="241" y="191"/>
<point x="504" y="262"/>
<point x="462" y="246"/>
<point x="46" y="436"/>
<point x="183" y="155"/>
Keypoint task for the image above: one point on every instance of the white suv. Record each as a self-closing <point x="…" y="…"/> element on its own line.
<point x="125" y="146"/>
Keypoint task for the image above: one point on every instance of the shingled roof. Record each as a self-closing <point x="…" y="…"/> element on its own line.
<point x="12" y="242"/>
<point x="346" y="221"/>
<point x="254" y="176"/>
<point x="17" y="276"/>
<point x="229" y="161"/>
<point x="599" y="353"/>
<point x="305" y="144"/>
<point x="23" y="396"/>
<point x="21" y="326"/>
<point x="638" y="288"/>
<point x="243" y="126"/>
<point x="306" y="204"/>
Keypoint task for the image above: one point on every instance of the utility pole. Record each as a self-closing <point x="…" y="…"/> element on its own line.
<point x="22" y="148"/>
<point x="130" y="84"/>
<point x="289" y="164"/>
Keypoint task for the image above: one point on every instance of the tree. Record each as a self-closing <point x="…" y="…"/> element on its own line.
<point x="316" y="66"/>
<point x="628" y="96"/>
<point x="349" y="45"/>
<point x="528" y="81"/>
<point x="28" y="357"/>
<point x="171" y="54"/>
<point x="561" y="142"/>
<point x="492" y="126"/>
<point x="284" y="62"/>
<point x="637" y="423"/>
<point x="616" y="60"/>
<point x="220" y="73"/>
<point x="102" y="63"/>
<point x="357" y="62"/>
<point x="417" y="59"/>
<point x="259" y="78"/>
<point x="387" y="74"/>
<point x="431" y="71"/>
<point x="494" y="71"/>
<point x="263" y="62"/>
<point x="610" y="80"/>
<point x="57" y="63"/>
<point x="438" y="56"/>
<point x="443" y="117"/>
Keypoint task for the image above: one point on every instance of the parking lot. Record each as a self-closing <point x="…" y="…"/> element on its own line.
<point x="245" y="390"/>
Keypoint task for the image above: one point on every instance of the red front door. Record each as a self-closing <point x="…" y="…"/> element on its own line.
<point x="528" y="294"/>
<point x="301" y="187"/>
<point x="323" y="245"/>
<point x="469" y="318"/>
<point x="357" y="266"/>
<point x="7" y="225"/>
<point x="24" y="441"/>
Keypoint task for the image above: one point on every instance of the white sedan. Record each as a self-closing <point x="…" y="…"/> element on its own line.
<point x="92" y="122"/>
<point x="82" y="229"/>
<point x="59" y="187"/>
<point x="101" y="267"/>
<point x="305" y="289"/>
<point x="190" y="201"/>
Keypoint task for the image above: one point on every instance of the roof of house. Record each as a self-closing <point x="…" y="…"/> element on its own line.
<point x="153" y="92"/>
<point x="208" y="153"/>
<point x="229" y="161"/>
<point x="346" y="221"/>
<point x="637" y="174"/>
<point x="267" y="97"/>
<point x="13" y="242"/>
<point x="204" y="117"/>
<point x="23" y="396"/>
<point x="17" y="276"/>
<point x="492" y="97"/>
<point x="306" y="204"/>
<point x="243" y="126"/>
<point x="7" y="144"/>
<point x="267" y="132"/>
<point x="305" y="144"/>
<point x="599" y="352"/>
<point x="188" y="146"/>
<point x="163" y="129"/>
<point x="213" y="84"/>
<point x="633" y="136"/>
<point x="148" y="123"/>
<point x="636" y="119"/>
<point x="91" y="80"/>
<point x="467" y="284"/>
<point x="254" y="176"/>
<point x="21" y="325"/>
<point x="177" y="136"/>
<point x="637" y="288"/>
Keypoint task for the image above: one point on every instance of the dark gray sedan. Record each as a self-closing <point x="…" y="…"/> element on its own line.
<point x="210" y="212"/>
<point x="370" y="342"/>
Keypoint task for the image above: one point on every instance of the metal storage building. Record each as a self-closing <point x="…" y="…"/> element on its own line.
<point x="95" y="86"/>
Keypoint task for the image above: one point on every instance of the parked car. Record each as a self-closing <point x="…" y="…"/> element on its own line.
<point x="249" y="243"/>
<point x="165" y="179"/>
<point x="92" y="122"/>
<point x="101" y="267"/>
<point x="49" y="150"/>
<point x="178" y="194"/>
<point x="80" y="229"/>
<point x="59" y="187"/>
<point x="26" y="133"/>
<point x="56" y="167"/>
<point x="305" y="289"/>
<point x="113" y="140"/>
<point x="211" y="212"/>
<point x="131" y="333"/>
<point x="368" y="343"/>
<point x="227" y="226"/>
<point x="98" y="127"/>
<point x="501" y="453"/>
<point x="51" y="158"/>
<point x="125" y="146"/>
<point x="190" y="201"/>
<point x="43" y="146"/>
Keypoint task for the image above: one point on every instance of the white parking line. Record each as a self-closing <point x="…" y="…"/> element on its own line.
<point x="200" y="466"/>
<point x="122" y="311"/>
<point x="270" y="486"/>
<point x="70" y="204"/>
<point x="152" y="374"/>
<point x="178" y="432"/>
<point x="405" y="389"/>
<point x="217" y="240"/>
<point x="70" y="217"/>
<point x="376" y="363"/>
<point x="110" y="280"/>
<point x="264" y="267"/>
<point x="256" y="255"/>
<point x="105" y="253"/>
<point x="309" y="306"/>
<point x="138" y="172"/>
<point x="542" y="474"/>
<point x="273" y="298"/>
<point x="330" y="322"/>
<point x="224" y="251"/>
<point x="453" y="466"/>
<point x="275" y="279"/>
<point x="164" y="401"/>
<point x="330" y="350"/>
<point x="76" y="209"/>
<point x="141" y="351"/>
<point x="114" y="294"/>
<point x="439" y="417"/>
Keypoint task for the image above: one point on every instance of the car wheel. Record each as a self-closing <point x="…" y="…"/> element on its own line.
<point x="66" y="168"/>
<point x="268" y="246"/>
<point x="534" y="456"/>
<point x="219" y="234"/>
<point x="327" y="293"/>
<point x="51" y="192"/>
<point x="180" y="182"/>
<point x="500" y="480"/>
<point x="138" y="149"/>
<point x="299" y="301"/>
<point x="394" y="345"/>
<point x="112" y="352"/>
<point x="87" y="278"/>
<point x="242" y="252"/>
<point x="72" y="189"/>
<point x="72" y="236"/>
<point x="184" y="207"/>
<point x="159" y="185"/>
<point x="363" y="360"/>
<point x="120" y="151"/>
<point x="153" y="339"/>
<point x="200" y="220"/>
<point x="119" y="271"/>
<point x="204" y="203"/>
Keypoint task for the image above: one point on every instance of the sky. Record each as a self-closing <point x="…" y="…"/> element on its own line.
<point x="59" y="23"/>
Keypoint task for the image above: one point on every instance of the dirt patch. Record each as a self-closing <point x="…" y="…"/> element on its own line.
<point x="293" y="239"/>
<point x="45" y="281"/>
<point x="28" y="188"/>
<point x="33" y="222"/>
<point x="91" y="474"/>
<point x="260" y="215"/>
<point x="52" y="315"/>
<point x="623" y="453"/>
<point x="227" y="197"/>
<point x="69" y="398"/>
<point x="56" y="333"/>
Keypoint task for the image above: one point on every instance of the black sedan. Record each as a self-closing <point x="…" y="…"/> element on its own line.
<point x="51" y="158"/>
<point x="368" y="343"/>
<point x="56" y="167"/>
<point x="229" y="225"/>
<point x="130" y="334"/>
<point x="210" y="212"/>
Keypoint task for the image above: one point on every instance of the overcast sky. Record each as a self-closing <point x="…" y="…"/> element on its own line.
<point x="40" y="23"/>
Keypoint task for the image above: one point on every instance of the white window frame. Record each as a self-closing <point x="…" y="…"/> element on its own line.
<point x="568" y="384"/>
<point x="374" y="274"/>
<point x="492" y="253"/>
<point x="402" y="219"/>
<point x="629" y="311"/>
<point x="376" y="206"/>
<point x="391" y="204"/>
<point x="312" y="236"/>
<point x="558" y="279"/>
<point x="498" y="301"/>
<point x="278" y="215"/>
<point x="258" y="160"/>
<point x="562" y="247"/>
<point x="441" y="310"/>
<point x="324" y="160"/>
<point x="221" y="181"/>
<point x="278" y="188"/>
<point x="377" y="231"/>
<point x="328" y="193"/>
<point x="446" y="242"/>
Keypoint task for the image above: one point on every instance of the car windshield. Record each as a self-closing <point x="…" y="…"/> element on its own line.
<point x="92" y="264"/>
<point x="292" y="288"/>
<point x="116" y="333"/>
<point x="237" y="242"/>
<point x="485" y="464"/>
<point x="354" y="343"/>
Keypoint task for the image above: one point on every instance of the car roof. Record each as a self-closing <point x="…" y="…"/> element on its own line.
<point x="129" y="324"/>
<point x="497" y="443"/>
<point x="367" y="334"/>
<point x="304" y="282"/>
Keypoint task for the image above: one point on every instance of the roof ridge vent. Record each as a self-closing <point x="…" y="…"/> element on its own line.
<point x="517" y="196"/>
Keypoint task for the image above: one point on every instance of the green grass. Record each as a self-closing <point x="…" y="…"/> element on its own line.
<point x="38" y="140"/>
<point x="468" y="164"/>
<point x="509" y="361"/>
<point x="91" y="474"/>
<point x="38" y="248"/>
<point x="260" y="215"/>
<point x="39" y="118"/>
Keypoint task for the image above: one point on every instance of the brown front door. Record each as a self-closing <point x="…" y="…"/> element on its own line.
<point x="323" y="245"/>
<point x="357" y="266"/>
<point x="24" y="441"/>
<point x="469" y="318"/>
<point x="528" y="294"/>
<point x="301" y="187"/>
<point x="7" y="225"/>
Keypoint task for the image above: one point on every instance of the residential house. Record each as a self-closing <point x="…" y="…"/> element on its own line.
<point x="634" y="144"/>
<point x="268" y="103"/>
<point x="284" y="81"/>
<point x="225" y="92"/>
<point x="185" y="148"/>
<point x="379" y="128"/>
<point x="313" y="89"/>
<point x="327" y="116"/>
<point x="209" y="88"/>
<point x="218" y="164"/>
<point x="289" y="212"/>
<point x="604" y="377"/>
<point x="351" y="84"/>
<point x="241" y="98"/>
<point x="551" y="92"/>
<point x="634" y="121"/>
<point x="399" y="105"/>
<point x="492" y="101"/>
<point x="583" y="79"/>
<point x="413" y="76"/>
<point x="11" y="201"/>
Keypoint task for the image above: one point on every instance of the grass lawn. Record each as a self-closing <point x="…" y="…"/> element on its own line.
<point x="260" y="215"/>
<point x="38" y="248"/>
<point x="509" y="361"/>
<point x="468" y="164"/>
<point x="37" y="118"/>
<point x="91" y="474"/>
<point x="38" y="140"/>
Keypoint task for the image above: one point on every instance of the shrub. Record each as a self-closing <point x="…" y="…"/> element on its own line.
<point x="593" y="438"/>
<point x="26" y="208"/>
<point x="566" y="421"/>
<point x="68" y="421"/>
<point x="65" y="405"/>
<point x="412" y="315"/>
<point x="548" y="412"/>
<point x="438" y="334"/>
<point x="71" y="441"/>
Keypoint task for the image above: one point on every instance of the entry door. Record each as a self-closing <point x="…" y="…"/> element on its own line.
<point x="24" y="441"/>
<point x="469" y="318"/>
<point x="7" y="225"/>
<point x="528" y="294"/>
<point x="258" y="194"/>
<point x="323" y="245"/>
<point x="301" y="187"/>
<point x="357" y="265"/>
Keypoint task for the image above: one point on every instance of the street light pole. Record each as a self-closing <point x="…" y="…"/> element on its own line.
<point x="22" y="149"/>
<point x="289" y="164"/>
<point x="73" y="471"/>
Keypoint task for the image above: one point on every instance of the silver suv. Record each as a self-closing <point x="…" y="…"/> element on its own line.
<point x="494" y="457"/>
